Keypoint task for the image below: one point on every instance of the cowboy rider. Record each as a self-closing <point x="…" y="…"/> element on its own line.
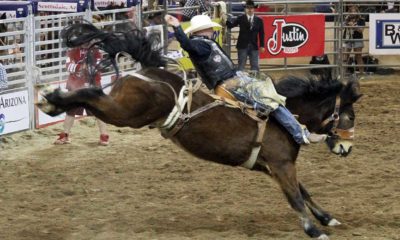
<point x="216" y="68"/>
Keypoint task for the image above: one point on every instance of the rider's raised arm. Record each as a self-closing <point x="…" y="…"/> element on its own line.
<point x="196" y="49"/>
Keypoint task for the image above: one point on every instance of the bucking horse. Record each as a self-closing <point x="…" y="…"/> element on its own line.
<point x="210" y="129"/>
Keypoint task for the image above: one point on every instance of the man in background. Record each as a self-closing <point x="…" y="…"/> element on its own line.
<point x="81" y="63"/>
<point x="189" y="13"/>
<point x="251" y="32"/>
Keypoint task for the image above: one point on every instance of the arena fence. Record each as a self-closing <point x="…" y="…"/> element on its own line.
<point x="333" y="34"/>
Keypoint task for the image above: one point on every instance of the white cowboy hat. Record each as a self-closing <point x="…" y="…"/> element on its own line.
<point x="201" y="22"/>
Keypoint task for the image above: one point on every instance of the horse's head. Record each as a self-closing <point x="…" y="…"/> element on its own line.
<point x="340" y="123"/>
<point x="325" y="107"/>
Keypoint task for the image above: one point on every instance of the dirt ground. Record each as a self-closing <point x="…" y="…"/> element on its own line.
<point x="144" y="187"/>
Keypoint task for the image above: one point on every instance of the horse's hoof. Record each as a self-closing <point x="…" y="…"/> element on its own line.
<point x="44" y="89"/>
<point x="323" y="237"/>
<point x="45" y="106"/>
<point x="333" y="222"/>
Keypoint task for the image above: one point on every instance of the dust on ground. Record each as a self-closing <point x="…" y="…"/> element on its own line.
<point x="144" y="187"/>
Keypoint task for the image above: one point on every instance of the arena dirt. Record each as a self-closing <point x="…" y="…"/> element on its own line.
<point x="144" y="187"/>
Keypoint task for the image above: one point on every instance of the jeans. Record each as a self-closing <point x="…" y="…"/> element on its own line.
<point x="287" y="120"/>
<point x="253" y="56"/>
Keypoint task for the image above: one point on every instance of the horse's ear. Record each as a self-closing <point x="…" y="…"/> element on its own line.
<point x="3" y="16"/>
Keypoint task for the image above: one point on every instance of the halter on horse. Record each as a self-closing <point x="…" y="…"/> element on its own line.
<point x="220" y="134"/>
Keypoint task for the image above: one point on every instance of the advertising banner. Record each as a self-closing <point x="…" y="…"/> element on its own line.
<point x="14" y="9"/>
<point x="157" y="33"/>
<point x="294" y="36"/>
<point x="384" y="34"/>
<point x="106" y="3"/>
<point x="14" y="112"/>
<point x="57" y="7"/>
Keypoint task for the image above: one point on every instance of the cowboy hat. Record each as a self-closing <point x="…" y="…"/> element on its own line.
<point x="201" y="22"/>
<point x="250" y="3"/>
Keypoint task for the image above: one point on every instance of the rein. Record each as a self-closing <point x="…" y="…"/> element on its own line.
<point x="347" y="134"/>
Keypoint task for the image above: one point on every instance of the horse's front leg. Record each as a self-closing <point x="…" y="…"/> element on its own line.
<point x="285" y="174"/>
<point x="323" y="216"/>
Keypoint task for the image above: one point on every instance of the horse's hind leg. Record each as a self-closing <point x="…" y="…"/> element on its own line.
<point x="285" y="174"/>
<point x="323" y="217"/>
<point x="100" y="104"/>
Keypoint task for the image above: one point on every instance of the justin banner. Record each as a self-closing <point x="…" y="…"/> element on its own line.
<point x="294" y="36"/>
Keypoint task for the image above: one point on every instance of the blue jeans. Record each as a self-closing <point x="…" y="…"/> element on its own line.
<point x="253" y="56"/>
<point x="287" y="120"/>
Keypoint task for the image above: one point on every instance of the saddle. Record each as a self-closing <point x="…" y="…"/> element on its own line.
<point x="177" y="119"/>
<point x="248" y="106"/>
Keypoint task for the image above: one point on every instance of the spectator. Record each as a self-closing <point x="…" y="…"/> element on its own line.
<point x="387" y="7"/>
<point x="354" y="32"/>
<point x="251" y="32"/>
<point x="81" y="64"/>
<point x="3" y="77"/>
<point x="326" y="8"/>
<point x="189" y="13"/>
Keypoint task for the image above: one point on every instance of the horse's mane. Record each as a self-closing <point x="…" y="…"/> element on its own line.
<point x="133" y="42"/>
<point x="293" y="87"/>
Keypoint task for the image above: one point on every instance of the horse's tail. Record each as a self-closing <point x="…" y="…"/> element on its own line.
<point x="133" y="42"/>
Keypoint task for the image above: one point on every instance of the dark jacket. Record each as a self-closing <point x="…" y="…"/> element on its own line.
<point x="352" y="33"/>
<point x="246" y="35"/>
<point x="210" y="61"/>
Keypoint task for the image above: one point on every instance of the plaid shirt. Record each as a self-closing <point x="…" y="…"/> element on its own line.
<point x="3" y="77"/>
<point x="189" y="13"/>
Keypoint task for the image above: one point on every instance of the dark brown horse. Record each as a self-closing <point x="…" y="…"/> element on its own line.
<point x="221" y="134"/>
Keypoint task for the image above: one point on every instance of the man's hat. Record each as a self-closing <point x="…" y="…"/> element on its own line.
<point x="250" y="3"/>
<point x="201" y="22"/>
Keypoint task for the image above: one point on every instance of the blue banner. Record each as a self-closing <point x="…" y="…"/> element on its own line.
<point x="14" y="9"/>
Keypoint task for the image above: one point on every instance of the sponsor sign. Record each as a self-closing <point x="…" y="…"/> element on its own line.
<point x="294" y="36"/>
<point x="14" y="9"/>
<point x="57" y="7"/>
<point x="9" y="14"/>
<point x="14" y="112"/>
<point x="105" y="3"/>
<point x="157" y="32"/>
<point x="384" y="34"/>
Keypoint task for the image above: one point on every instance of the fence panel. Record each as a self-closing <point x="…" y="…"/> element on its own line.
<point x="14" y="51"/>
<point x="49" y="53"/>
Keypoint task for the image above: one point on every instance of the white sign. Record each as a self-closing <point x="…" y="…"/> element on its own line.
<point x="43" y="120"/>
<point x="384" y="34"/>
<point x="57" y="7"/>
<point x="9" y="14"/>
<point x="157" y="31"/>
<point x="105" y="3"/>
<point x="14" y="112"/>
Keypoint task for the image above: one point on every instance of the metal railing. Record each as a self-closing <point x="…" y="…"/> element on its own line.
<point x="334" y="30"/>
